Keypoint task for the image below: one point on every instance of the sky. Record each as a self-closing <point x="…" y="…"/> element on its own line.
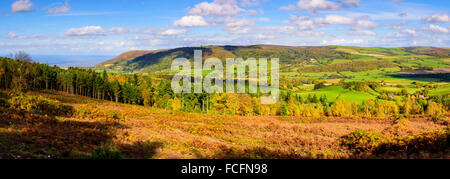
<point x="110" y="27"/>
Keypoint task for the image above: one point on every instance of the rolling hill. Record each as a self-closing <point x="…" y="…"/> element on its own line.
<point x="290" y="56"/>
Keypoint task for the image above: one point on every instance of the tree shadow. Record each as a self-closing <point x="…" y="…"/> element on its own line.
<point x="29" y="135"/>
<point x="433" y="144"/>
<point x="257" y="153"/>
<point x="442" y="77"/>
<point x="428" y="145"/>
<point x="140" y="150"/>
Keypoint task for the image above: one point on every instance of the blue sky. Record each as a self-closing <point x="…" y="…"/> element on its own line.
<point x="108" y="27"/>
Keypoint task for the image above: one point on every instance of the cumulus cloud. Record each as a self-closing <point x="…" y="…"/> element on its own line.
<point x="238" y="26"/>
<point x="306" y="23"/>
<point x="354" y="3"/>
<point x="61" y="9"/>
<point x="94" y="31"/>
<point x="287" y="8"/>
<point x="438" y="18"/>
<point x="396" y="25"/>
<point x="21" y="6"/>
<point x="172" y="32"/>
<point x="314" y="6"/>
<point x="264" y="37"/>
<point x="117" y="30"/>
<point x="365" y="24"/>
<point x="191" y="21"/>
<point x="436" y="29"/>
<point x="235" y="22"/>
<point x="335" y="19"/>
<point x="409" y="32"/>
<point x="13" y="35"/>
<point x="362" y="33"/>
<point x="303" y="23"/>
<point x="343" y="42"/>
<point x="217" y="8"/>
<point x="86" y="31"/>
<point x="317" y="5"/>
<point x="253" y="12"/>
<point x="249" y="2"/>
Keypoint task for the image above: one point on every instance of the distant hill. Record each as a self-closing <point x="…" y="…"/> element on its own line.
<point x="159" y="60"/>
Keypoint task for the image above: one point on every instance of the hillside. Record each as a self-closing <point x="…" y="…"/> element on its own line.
<point x="152" y="61"/>
<point x="105" y="130"/>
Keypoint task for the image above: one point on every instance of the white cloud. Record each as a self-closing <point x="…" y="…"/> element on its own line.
<point x="237" y="30"/>
<point x="264" y="37"/>
<point x="86" y="31"/>
<point x="95" y="31"/>
<point x="343" y="42"/>
<point x="303" y="23"/>
<point x="436" y="29"/>
<point x="234" y="22"/>
<point x="217" y="8"/>
<point x="354" y="3"/>
<point x="143" y="31"/>
<point x="317" y="5"/>
<point x="65" y="8"/>
<point x="287" y="8"/>
<point x="291" y="30"/>
<point x="171" y="32"/>
<point x="237" y="26"/>
<point x="13" y="35"/>
<point x="21" y="6"/>
<point x="363" y="33"/>
<point x="313" y="6"/>
<point x="191" y="21"/>
<point x="409" y="32"/>
<point x="335" y="19"/>
<point x="249" y="2"/>
<point x="117" y="30"/>
<point x="438" y="18"/>
<point x="253" y="12"/>
<point x="365" y="24"/>
<point x="396" y="25"/>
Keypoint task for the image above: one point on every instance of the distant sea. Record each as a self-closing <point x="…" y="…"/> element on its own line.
<point x="72" y="60"/>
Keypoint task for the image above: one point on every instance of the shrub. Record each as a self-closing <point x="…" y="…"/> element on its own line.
<point x="40" y="105"/>
<point x="361" y="141"/>
<point x="435" y="110"/>
<point x="375" y="144"/>
<point x="435" y="142"/>
<point x="105" y="153"/>
<point x="91" y="111"/>
<point x="283" y="109"/>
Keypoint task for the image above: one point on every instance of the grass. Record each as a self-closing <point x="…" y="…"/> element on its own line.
<point x="331" y="92"/>
<point x="355" y="96"/>
<point x="443" y="89"/>
<point x="335" y="93"/>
